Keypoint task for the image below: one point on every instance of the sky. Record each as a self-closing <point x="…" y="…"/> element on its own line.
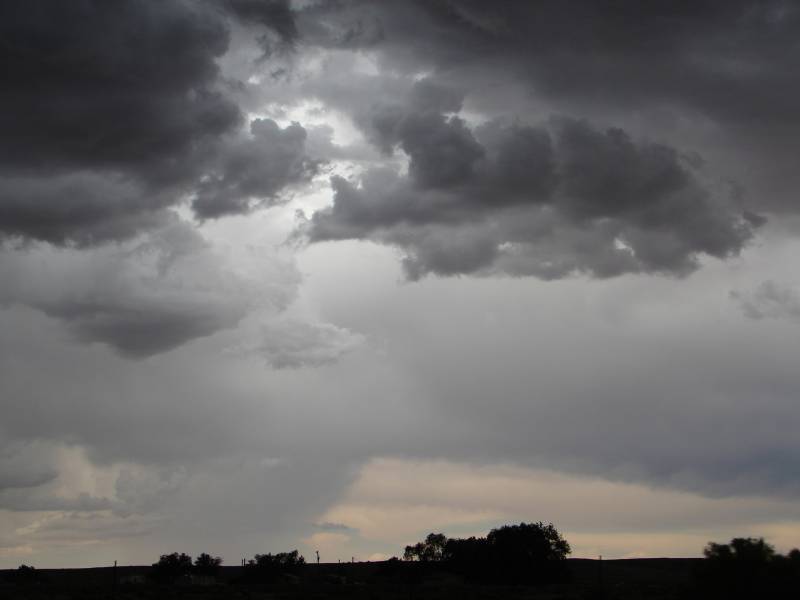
<point x="331" y="275"/>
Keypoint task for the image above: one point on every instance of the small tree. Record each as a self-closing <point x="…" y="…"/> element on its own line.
<point x="171" y="567"/>
<point x="207" y="565"/>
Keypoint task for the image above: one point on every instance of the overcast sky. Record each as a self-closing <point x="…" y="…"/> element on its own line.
<point x="333" y="275"/>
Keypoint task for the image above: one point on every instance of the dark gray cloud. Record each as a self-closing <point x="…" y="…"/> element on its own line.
<point x="548" y="201"/>
<point x="727" y="68"/>
<point x="254" y="170"/>
<point x="111" y="84"/>
<point x="112" y="111"/>
<point x="79" y="207"/>
<point x="573" y="196"/>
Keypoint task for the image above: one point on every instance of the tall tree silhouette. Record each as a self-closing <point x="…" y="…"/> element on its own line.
<point x="171" y="567"/>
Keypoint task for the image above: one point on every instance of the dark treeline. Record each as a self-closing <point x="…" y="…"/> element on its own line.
<point x="536" y="554"/>
<point x="509" y="560"/>
<point x="263" y="568"/>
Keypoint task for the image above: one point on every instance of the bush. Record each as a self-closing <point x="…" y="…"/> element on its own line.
<point x="269" y="567"/>
<point x="207" y="565"/>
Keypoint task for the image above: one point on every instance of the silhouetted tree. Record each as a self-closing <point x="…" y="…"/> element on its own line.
<point x="528" y="552"/>
<point x="743" y="551"/>
<point x="532" y="552"/>
<point x="431" y="550"/>
<point x="208" y="565"/>
<point x="171" y="567"/>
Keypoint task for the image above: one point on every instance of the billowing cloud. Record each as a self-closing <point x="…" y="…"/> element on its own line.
<point x="710" y="77"/>
<point x="112" y="113"/>
<point x="548" y="201"/>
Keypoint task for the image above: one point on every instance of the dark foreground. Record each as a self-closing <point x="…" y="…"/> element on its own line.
<point x="588" y="579"/>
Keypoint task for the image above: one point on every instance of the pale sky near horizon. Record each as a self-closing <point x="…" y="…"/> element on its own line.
<point x="334" y="275"/>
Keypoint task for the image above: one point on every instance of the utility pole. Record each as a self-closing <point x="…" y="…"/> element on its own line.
<point x="317" y="551"/>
